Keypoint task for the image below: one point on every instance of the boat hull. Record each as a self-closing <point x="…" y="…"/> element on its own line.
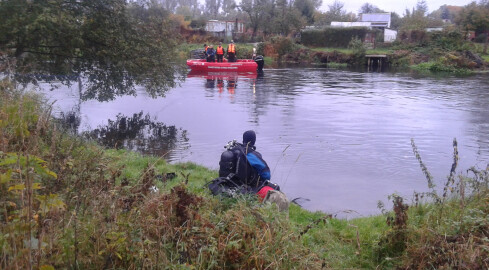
<point x="242" y="65"/>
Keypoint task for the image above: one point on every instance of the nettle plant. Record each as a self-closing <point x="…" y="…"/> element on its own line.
<point x="24" y="204"/>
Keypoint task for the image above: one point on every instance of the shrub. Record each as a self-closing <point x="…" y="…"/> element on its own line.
<point x="282" y="45"/>
<point x="359" y="50"/>
<point x="332" y="37"/>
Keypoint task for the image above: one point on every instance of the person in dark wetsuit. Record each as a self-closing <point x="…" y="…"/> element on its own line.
<point x="245" y="165"/>
<point x="254" y="157"/>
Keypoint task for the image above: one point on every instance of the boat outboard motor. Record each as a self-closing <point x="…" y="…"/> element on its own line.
<point x="260" y="61"/>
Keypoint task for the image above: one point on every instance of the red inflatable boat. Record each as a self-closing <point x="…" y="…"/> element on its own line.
<point x="241" y="65"/>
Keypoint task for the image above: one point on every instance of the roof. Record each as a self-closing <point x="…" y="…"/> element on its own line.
<point x="351" y="24"/>
<point x="375" y="17"/>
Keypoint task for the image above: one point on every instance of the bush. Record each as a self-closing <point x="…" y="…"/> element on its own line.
<point x="282" y="45"/>
<point x="260" y="49"/>
<point x="481" y="38"/>
<point x="447" y="40"/>
<point x="332" y="37"/>
<point x="359" y="50"/>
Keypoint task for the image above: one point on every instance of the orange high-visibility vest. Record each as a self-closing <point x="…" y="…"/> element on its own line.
<point x="205" y="49"/>
<point x="219" y="50"/>
<point x="231" y="48"/>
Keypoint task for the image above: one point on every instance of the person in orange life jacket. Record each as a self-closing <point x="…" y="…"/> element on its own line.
<point x="231" y="52"/>
<point x="211" y="54"/>
<point x="205" y="50"/>
<point x="219" y="52"/>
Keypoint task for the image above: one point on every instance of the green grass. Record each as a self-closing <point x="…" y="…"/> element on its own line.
<point x="485" y="57"/>
<point x="341" y="50"/>
<point x="337" y="65"/>
<point x="437" y="67"/>
<point x="349" y="51"/>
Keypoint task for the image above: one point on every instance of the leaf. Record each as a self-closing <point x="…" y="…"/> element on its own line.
<point x="9" y="160"/>
<point x="36" y="186"/>
<point x="46" y="267"/>
<point x="16" y="187"/>
<point x="11" y="204"/>
<point x="6" y="177"/>
<point x="51" y="173"/>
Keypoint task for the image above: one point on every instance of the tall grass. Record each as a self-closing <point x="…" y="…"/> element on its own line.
<point x="447" y="231"/>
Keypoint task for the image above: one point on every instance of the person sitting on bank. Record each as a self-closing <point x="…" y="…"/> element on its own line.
<point x="219" y="52"/>
<point x="244" y="165"/>
<point x="231" y="52"/>
<point x="211" y="54"/>
<point x="242" y="170"/>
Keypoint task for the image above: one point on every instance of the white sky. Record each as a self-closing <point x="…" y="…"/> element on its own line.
<point x="398" y="6"/>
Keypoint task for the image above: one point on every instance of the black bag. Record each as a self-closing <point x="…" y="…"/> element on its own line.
<point x="226" y="186"/>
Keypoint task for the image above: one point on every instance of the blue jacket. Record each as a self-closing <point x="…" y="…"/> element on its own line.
<point x="260" y="166"/>
<point x="251" y="169"/>
<point x="211" y="52"/>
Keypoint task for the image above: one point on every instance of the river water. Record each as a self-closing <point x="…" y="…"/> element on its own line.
<point x="340" y="139"/>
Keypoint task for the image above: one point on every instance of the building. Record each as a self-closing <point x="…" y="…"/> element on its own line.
<point x="224" y="29"/>
<point x="352" y="24"/>
<point x="377" y="20"/>
<point x="380" y="21"/>
<point x="389" y="35"/>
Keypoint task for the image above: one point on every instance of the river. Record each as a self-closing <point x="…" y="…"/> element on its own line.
<point x="340" y="139"/>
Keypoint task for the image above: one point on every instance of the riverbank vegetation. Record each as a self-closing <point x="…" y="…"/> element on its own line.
<point x="451" y="38"/>
<point x="68" y="203"/>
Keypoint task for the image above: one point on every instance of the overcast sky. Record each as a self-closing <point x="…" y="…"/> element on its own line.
<point x="398" y="6"/>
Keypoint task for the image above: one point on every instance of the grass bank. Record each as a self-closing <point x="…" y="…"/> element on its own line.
<point x="68" y="203"/>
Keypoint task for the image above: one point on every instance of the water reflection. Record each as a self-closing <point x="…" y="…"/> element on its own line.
<point x="223" y="80"/>
<point x="70" y="120"/>
<point x="139" y="133"/>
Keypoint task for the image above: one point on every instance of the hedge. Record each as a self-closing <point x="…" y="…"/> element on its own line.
<point x="332" y="37"/>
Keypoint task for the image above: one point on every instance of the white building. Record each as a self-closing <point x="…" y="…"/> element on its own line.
<point x="389" y="35"/>
<point x="352" y="24"/>
<point x="377" y="20"/>
<point x="224" y="28"/>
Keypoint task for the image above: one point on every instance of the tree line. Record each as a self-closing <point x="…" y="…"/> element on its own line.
<point x="285" y="17"/>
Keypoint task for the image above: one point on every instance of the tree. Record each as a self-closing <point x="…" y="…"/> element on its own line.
<point x="369" y="8"/>
<point x="111" y="45"/>
<point x="475" y="17"/>
<point x="287" y="19"/>
<point x="396" y="20"/>
<point x="170" y="5"/>
<point x="307" y="8"/>
<point x="421" y="8"/>
<point x="336" y="10"/>
<point x="258" y="11"/>
<point x="229" y="8"/>
<point x="212" y="7"/>
<point x="416" y="19"/>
